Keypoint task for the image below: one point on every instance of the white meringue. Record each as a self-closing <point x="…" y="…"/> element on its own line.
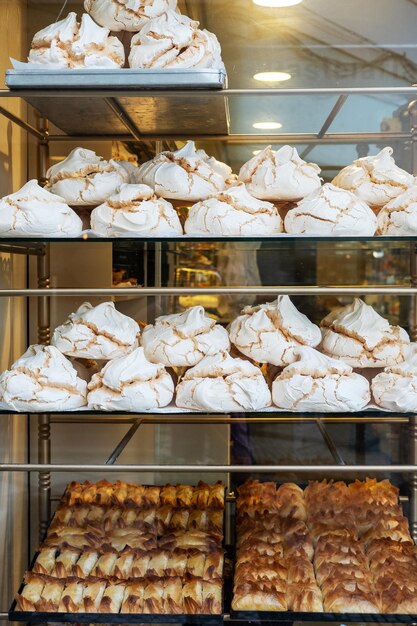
<point x="99" y="332"/>
<point x="186" y="174"/>
<point x="131" y="170"/>
<point x="268" y="333"/>
<point x="315" y="382"/>
<point x="136" y="210"/>
<point x="83" y="178"/>
<point x="173" y="40"/>
<point x="358" y="335"/>
<point x="233" y="212"/>
<point x="375" y="179"/>
<point x="42" y="379"/>
<point x="34" y="212"/>
<point x="395" y="388"/>
<point x="67" y="44"/>
<point x="130" y="383"/>
<point x="399" y="216"/>
<point x="183" y="339"/>
<point x="331" y="210"/>
<point x="280" y="175"/>
<point x="222" y="383"/>
<point x="128" y="15"/>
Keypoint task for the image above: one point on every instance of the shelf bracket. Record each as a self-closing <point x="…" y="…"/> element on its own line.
<point x="337" y="457"/>
<point x="123" y="442"/>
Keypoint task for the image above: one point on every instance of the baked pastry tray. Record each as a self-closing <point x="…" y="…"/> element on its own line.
<point x="340" y="618"/>
<point x="116" y="79"/>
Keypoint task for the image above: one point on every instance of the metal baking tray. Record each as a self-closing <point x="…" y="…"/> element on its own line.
<point x="340" y="618"/>
<point x="116" y="79"/>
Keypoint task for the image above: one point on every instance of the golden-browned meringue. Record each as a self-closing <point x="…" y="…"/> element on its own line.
<point x="399" y="215"/>
<point x="99" y="332"/>
<point x="233" y="212"/>
<point x="186" y="174"/>
<point x="280" y="175"/>
<point x="223" y="383"/>
<point x="130" y="383"/>
<point x="375" y="179"/>
<point x="331" y="210"/>
<point x="268" y="333"/>
<point x="34" y="212"/>
<point x="360" y="337"/>
<point x="316" y="382"/>
<point x="126" y="15"/>
<point x="84" y="178"/>
<point x="42" y="379"/>
<point x="67" y="44"/>
<point x="173" y="40"/>
<point x="183" y="339"/>
<point x="135" y="211"/>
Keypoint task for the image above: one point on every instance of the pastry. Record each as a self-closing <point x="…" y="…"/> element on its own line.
<point x="233" y="212"/>
<point x="83" y="178"/>
<point x="360" y="337"/>
<point x="99" y="332"/>
<point x="375" y="179"/>
<point x="279" y="175"/>
<point x="331" y="210"/>
<point x="183" y="339"/>
<point x="269" y="332"/>
<point x="126" y="15"/>
<point x="135" y="211"/>
<point x="315" y="382"/>
<point x="172" y="40"/>
<point x="34" y="212"/>
<point x="42" y="379"/>
<point x="130" y="383"/>
<point x="399" y="215"/>
<point x="395" y="388"/>
<point x="67" y="44"/>
<point x="186" y="174"/>
<point x="222" y="383"/>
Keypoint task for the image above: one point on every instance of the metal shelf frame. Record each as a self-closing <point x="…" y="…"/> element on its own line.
<point x="44" y="467"/>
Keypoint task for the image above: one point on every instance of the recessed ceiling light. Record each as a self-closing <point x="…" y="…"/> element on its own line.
<point x="277" y="3"/>
<point x="267" y="125"/>
<point x="272" y="77"/>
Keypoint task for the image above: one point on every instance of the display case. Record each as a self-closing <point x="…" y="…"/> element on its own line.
<point x="150" y="276"/>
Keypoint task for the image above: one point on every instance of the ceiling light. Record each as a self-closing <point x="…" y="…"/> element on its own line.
<point x="277" y="3"/>
<point x="272" y="77"/>
<point x="267" y="125"/>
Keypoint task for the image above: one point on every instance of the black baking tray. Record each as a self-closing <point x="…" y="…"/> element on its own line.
<point x="16" y="615"/>
<point x="296" y="616"/>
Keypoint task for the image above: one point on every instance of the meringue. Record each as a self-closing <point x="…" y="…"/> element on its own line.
<point x="268" y="333"/>
<point x="280" y="175"/>
<point x="375" y="179"/>
<point x="42" y="379"/>
<point x="399" y="216"/>
<point x="183" y="339"/>
<point x="315" y="382"/>
<point x="135" y="210"/>
<point x="358" y="335"/>
<point x="331" y="210"/>
<point x="126" y="15"/>
<point x="131" y="170"/>
<point x="84" y="178"/>
<point x="233" y="212"/>
<point x="173" y="40"/>
<point x="67" y="44"/>
<point x="395" y="388"/>
<point x="130" y="383"/>
<point x="186" y="174"/>
<point x="34" y="212"/>
<point x="222" y="383"/>
<point x="99" y="332"/>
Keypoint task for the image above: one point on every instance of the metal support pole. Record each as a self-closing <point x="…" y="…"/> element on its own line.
<point x="44" y="337"/>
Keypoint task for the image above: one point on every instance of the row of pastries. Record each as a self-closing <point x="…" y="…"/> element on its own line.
<point x="129" y="548"/>
<point x="274" y="192"/>
<point x="270" y="354"/>
<point x="331" y="547"/>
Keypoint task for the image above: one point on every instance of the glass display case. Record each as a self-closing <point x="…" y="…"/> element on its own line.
<point x="335" y="80"/>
